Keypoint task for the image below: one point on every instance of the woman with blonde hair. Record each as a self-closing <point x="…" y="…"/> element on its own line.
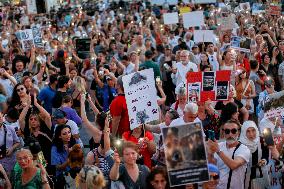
<point x="29" y="176"/>
<point x="79" y="86"/>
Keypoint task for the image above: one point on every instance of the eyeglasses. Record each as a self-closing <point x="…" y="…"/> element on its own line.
<point x="228" y="131"/>
<point x="20" y="89"/>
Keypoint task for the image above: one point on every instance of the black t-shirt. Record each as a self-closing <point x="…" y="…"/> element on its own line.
<point x="57" y="100"/>
<point x="220" y="106"/>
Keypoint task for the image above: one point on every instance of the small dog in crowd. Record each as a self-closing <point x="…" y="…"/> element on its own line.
<point x="174" y="152"/>
<point x="91" y="177"/>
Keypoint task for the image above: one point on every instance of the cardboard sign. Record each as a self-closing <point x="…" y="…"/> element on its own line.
<point x="186" y="157"/>
<point x="183" y="10"/>
<point x="31" y="6"/>
<point x="202" y="86"/>
<point x="204" y="36"/>
<point x="226" y="22"/>
<point x="274" y="105"/>
<point x="274" y="10"/>
<point x="192" y="19"/>
<point x="141" y="97"/>
<point x="30" y="37"/>
<point x="258" y="8"/>
<point x="170" y="18"/>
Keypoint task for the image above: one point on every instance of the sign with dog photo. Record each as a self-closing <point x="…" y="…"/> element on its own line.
<point x="141" y="97"/>
<point x="209" y="85"/>
<point x="185" y="153"/>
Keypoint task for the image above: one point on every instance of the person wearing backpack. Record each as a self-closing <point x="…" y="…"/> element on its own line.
<point x="230" y="156"/>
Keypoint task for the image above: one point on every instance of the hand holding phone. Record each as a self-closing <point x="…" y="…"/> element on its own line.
<point x="211" y="135"/>
<point x="267" y="136"/>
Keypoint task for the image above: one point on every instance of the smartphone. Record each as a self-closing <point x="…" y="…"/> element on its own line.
<point x="267" y="136"/>
<point x="87" y="95"/>
<point x="174" y="64"/>
<point x="158" y="79"/>
<point x="211" y="135"/>
<point x="118" y="143"/>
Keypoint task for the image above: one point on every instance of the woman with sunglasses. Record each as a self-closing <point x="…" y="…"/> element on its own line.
<point x="214" y="177"/>
<point x="245" y="90"/>
<point x="19" y="97"/>
<point x="30" y="175"/>
<point x="36" y="123"/>
<point x="259" y="152"/>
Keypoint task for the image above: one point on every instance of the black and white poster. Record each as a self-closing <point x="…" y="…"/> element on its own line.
<point x="185" y="153"/>
<point x="222" y="90"/>
<point x="208" y="81"/>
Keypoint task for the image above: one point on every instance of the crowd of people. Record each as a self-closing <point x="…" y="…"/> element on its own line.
<point x="50" y="93"/>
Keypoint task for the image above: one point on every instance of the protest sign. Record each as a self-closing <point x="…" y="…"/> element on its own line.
<point x="30" y="37"/>
<point x="170" y="18"/>
<point x="274" y="10"/>
<point x="185" y="9"/>
<point x="31" y="6"/>
<point x="204" y="36"/>
<point x="245" y="6"/>
<point x="162" y="2"/>
<point x="141" y="97"/>
<point x="258" y="8"/>
<point x="185" y="153"/>
<point x="192" y="19"/>
<point x="203" y="1"/>
<point x="274" y="105"/>
<point x="237" y="43"/>
<point x="202" y="86"/>
<point x="226" y="22"/>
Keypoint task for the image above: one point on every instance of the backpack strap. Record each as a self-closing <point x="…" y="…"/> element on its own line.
<point x="231" y="171"/>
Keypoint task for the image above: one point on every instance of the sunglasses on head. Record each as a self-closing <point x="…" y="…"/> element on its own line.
<point x="20" y="89"/>
<point x="228" y="131"/>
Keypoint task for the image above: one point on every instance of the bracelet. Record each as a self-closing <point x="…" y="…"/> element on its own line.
<point x="44" y="182"/>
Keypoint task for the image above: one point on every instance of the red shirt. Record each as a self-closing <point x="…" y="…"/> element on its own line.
<point x="144" y="151"/>
<point x="118" y="107"/>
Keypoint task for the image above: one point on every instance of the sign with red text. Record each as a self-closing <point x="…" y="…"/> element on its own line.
<point x="202" y="86"/>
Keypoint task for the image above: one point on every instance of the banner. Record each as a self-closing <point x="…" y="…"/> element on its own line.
<point x="170" y="18"/>
<point x="162" y="2"/>
<point x="141" y="97"/>
<point x="274" y="105"/>
<point x="30" y="37"/>
<point x="202" y="86"/>
<point x="274" y="10"/>
<point x="226" y="22"/>
<point x="186" y="157"/>
<point x="192" y="19"/>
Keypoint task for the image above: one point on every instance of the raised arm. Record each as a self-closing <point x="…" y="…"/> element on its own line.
<point x="44" y="114"/>
<point x="23" y="114"/>
<point x="32" y="59"/>
<point x="93" y="130"/>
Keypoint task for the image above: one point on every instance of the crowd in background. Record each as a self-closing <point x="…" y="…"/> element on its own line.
<point x="48" y="95"/>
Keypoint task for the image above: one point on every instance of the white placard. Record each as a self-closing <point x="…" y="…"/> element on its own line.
<point x="204" y="36"/>
<point x="31" y="6"/>
<point x="192" y="19"/>
<point x="30" y="37"/>
<point x="161" y="2"/>
<point x="226" y="23"/>
<point x="245" y="6"/>
<point x="141" y="97"/>
<point x="170" y="18"/>
<point x="203" y="1"/>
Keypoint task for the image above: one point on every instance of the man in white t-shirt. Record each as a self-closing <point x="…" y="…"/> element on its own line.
<point x="182" y="67"/>
<point x="8" y="82"/>
<point x="221" y="155"/>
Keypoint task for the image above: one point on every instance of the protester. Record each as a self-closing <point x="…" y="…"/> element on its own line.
<point x="231" y="157"/>
<point x="129" y="172"/>
<point x="29" y="176"/>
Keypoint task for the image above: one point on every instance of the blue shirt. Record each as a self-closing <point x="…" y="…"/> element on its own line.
<point x="107" y="92"/>
<point x="46" y="95"/>
<point x="58" y="158"/>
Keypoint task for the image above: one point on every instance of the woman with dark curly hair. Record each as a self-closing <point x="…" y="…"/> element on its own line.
<point x="158" y="179"/>
<point x="19" y="97"/>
